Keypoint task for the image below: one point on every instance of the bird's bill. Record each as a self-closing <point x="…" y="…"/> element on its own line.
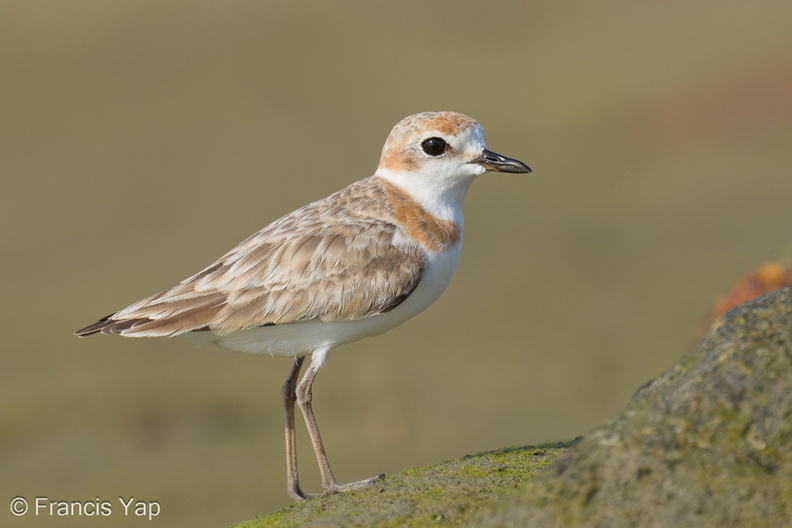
<point x="493" y="161"/>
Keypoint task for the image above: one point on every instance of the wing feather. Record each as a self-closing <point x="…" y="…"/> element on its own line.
<point x="330" y="260"/>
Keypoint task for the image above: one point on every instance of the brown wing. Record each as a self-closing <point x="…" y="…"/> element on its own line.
<point x="327" y="261"/>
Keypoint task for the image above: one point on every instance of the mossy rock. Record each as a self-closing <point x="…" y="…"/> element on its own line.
<point x="707" y="444"/>
<point x="447" y="494"/>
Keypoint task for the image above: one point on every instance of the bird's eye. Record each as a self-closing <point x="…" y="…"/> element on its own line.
<point x="434" y="146"/>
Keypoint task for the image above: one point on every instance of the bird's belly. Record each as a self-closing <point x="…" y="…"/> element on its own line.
<point x="298" y="339"/>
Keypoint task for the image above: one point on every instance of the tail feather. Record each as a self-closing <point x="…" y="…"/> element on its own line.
<point x="159" y="319"/>
<point x="101" y="326"/>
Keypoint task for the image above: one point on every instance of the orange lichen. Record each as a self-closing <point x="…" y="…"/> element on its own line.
<point x="766" y="278"/>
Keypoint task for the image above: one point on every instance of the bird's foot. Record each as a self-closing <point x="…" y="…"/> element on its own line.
<point x="298" y="495"/>
<point x="335" y="487"/>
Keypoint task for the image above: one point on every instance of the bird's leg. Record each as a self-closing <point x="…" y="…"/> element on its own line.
<point x="288" y="398"/>
<point x="304" y="397"/>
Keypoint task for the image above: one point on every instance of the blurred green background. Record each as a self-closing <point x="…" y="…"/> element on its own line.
<point x="141" y="140"/>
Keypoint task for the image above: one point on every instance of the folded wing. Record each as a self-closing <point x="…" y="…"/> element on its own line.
<point x="302" y="267"/>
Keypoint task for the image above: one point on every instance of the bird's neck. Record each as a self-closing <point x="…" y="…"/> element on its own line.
<point x="429" y="222"/>
<point x="440" y="197"/>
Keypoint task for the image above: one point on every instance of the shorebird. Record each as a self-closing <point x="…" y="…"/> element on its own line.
<point x="354" y="264"/>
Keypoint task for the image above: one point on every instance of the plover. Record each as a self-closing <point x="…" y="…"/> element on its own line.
<point x="354" y="264"/>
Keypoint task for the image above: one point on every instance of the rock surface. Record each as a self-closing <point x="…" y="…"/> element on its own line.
<point x="707" y="444"/>
<point x="446" y="494"/>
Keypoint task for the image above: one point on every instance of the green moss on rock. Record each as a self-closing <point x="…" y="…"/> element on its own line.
<point x="446" y="494"/>
<point x="707" y="444"/>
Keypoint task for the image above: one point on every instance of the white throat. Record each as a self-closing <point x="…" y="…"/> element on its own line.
<point x="442" y="197"/>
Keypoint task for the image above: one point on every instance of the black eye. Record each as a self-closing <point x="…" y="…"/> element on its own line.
<point x="434" y="146"/>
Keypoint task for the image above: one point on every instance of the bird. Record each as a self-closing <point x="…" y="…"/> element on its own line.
<point x="355" y="264"/>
